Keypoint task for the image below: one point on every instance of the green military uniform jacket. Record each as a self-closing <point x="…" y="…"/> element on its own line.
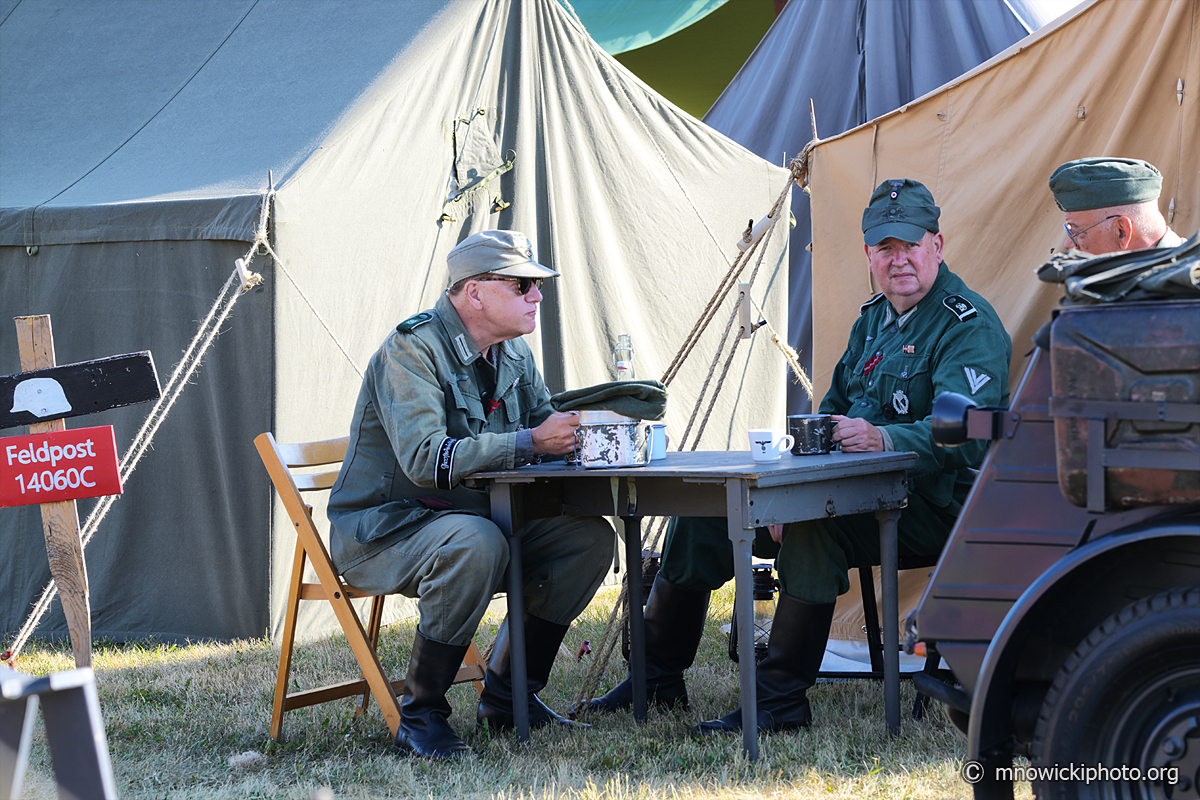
<point x="894" y="368"/>
<point x="421" y="425"/>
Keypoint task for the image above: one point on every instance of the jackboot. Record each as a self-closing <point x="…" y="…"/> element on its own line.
<point x="424" y="729"/>
<point x="495" y="711"/>
<point x="799" y="633"/>
<point x="674" y="623"/>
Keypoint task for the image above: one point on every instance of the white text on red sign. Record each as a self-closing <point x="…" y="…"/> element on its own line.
<point x="63" y="465"/>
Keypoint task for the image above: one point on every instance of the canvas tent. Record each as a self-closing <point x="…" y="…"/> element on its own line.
<point x="1113" y="77"/>
<point x="694" y="64"/>
<point x="855" y="61"/>
<point x="136" y="141"/>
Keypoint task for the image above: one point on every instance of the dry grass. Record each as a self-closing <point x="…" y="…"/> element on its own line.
<point x="191" y="722"/>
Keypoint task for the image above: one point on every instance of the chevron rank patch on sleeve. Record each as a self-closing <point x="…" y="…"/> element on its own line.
<point x="960" y="306"/>
<point x="976" y="380"/>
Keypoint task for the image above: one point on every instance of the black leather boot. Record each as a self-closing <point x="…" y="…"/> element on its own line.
<point x="799" y="633"/>
<point x="542" y="639"/>
<point x="424" y="729"/>
<point x="674" y="623"/>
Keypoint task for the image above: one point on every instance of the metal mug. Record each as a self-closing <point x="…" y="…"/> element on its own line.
<point x="813" y="434"/>
<point x="658" y="441"/>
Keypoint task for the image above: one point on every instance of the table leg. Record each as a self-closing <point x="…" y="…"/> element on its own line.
<point x="891" y="636"/>
<point x="503" y="515"/>
<point x="637" y="631"/>
<point x="743" y="603"/>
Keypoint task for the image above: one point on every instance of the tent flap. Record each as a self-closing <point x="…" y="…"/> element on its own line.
<point x="232" y="218"/>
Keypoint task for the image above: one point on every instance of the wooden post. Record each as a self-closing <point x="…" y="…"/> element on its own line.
<point x="60" y="520"/>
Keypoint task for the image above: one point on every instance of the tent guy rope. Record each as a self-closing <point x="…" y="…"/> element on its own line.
<point x="756" y="238"/>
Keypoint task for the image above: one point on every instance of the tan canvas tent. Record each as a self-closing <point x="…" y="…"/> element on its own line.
<point x="1112" y="77"/>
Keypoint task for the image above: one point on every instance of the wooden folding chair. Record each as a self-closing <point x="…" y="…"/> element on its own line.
<point x="291" y="467"/>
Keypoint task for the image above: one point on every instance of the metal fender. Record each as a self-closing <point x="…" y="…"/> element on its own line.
<point x="989" y="734"/>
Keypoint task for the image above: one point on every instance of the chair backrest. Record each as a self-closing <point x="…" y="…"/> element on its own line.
<point x="304" y="455"/>
<point x="293" y="470"/>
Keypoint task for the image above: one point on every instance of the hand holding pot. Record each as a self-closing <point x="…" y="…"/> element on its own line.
<point x="556" y="436"/>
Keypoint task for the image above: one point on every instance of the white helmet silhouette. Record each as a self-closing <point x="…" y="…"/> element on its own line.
<point x="42" y="397"/>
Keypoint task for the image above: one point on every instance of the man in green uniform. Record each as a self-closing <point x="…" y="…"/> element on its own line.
<point x="1111" y="204"/>
<point x="926" y="333"/>
<point x="453" y="391"/>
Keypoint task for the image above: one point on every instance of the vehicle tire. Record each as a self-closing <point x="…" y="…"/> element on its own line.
<point x="1128" y="697"/>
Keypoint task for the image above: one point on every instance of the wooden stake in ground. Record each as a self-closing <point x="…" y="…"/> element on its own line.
<point x="60" y="520"/>
<point x="42" y="396"/>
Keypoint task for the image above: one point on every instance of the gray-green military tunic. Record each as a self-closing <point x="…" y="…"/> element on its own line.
<point x="891" y="372"/>
<point x="432" y="411"/>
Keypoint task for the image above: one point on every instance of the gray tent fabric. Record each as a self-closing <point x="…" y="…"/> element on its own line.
<point x="138" y="142"/>
<point x="855" y="60"/>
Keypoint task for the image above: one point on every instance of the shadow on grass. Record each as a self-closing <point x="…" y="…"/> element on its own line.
<point x="191" y="721"/>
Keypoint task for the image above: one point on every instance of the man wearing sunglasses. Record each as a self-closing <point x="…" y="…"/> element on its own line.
<point x="1110" y="205"/>
<point x="453" y="391"/>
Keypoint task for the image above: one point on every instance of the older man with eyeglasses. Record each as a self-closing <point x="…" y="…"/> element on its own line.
<point x="453" y="391"/>
<point x="1110" y="205"/>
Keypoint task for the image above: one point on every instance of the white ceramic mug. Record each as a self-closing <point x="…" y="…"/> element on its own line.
<point x="767" y="444"/>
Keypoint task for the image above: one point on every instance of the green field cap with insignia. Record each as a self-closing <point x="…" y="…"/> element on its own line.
<point x="1104" y="182"/>
<point x="901" y="209"/>
<point x="498" y="252"/>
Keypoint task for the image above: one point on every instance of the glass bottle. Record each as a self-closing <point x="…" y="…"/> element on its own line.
<point x="623" y="358"/>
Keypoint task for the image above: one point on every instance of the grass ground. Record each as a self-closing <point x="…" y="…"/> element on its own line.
<point x="191" y="722"/>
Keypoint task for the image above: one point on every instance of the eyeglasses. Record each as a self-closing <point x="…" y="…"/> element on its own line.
<point x="523" y="284"/>
<point x="1073" y="234"/>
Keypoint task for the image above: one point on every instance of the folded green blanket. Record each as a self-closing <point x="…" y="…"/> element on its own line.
<point x="637" y="399"/>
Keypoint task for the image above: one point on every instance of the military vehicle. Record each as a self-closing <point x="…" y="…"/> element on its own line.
<point x="1066" y="603"/>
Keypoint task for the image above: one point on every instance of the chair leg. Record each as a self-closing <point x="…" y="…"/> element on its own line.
<point x="286" y="643"/>
<point x="374" y="624"/>
<point x="921" y="703"/>
<point x="866" y="582"/>
<point x="474" y="658"/>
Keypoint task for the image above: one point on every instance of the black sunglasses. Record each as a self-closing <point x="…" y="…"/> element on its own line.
<point x="523" y="284"/>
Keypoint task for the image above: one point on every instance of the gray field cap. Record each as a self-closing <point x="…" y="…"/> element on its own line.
<point x="902" y="209"/>
<point x="506" y="253"/>
<point x="1104" y="182"/>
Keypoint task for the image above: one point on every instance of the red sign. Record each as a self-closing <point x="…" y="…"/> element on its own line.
<point x="65" y="465"/>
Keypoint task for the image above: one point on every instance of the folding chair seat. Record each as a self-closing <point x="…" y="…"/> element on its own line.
<point x="313" y="467"/>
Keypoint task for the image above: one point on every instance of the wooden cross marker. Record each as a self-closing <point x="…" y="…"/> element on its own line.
<point x="42" y="390"/>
